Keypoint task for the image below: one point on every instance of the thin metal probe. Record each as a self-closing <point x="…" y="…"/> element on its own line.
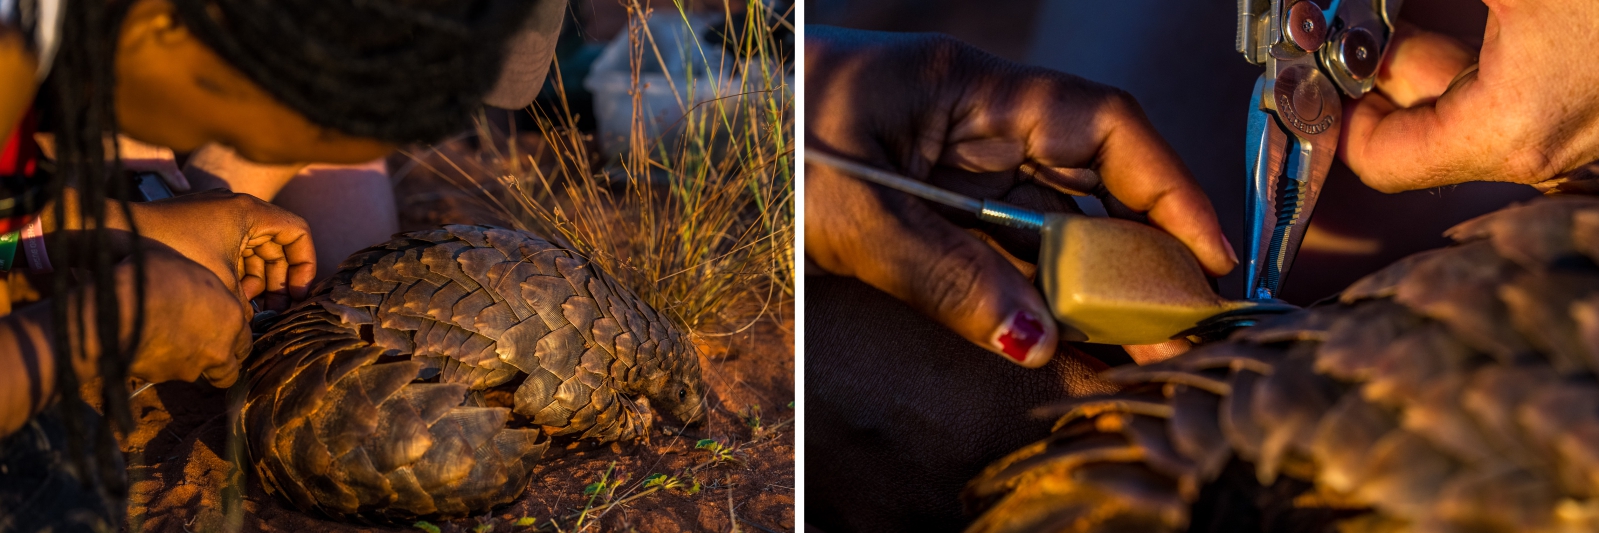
<point x="143" y="388"/>
<point x="987" y="210"/>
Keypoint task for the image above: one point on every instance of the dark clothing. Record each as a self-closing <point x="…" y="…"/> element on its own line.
<point x="39" y="483"/>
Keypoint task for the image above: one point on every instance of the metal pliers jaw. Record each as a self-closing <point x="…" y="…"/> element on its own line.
<point x="1311" y="55"/>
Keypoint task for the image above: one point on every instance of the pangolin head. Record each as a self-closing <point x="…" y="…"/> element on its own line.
<point x="681" y="395"/>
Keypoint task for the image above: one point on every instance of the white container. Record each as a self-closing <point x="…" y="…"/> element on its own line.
<point x="686" y="62"/>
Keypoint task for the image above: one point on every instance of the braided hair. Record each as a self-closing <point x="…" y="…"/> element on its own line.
<point x="77" y="99"/>
<point x="395" y="70"/>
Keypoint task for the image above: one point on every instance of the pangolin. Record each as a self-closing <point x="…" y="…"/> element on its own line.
<point x="1456" y="390"/>
<point x="429" y="375"/>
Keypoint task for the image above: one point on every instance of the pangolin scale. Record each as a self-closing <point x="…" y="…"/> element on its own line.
<point x="1456" y="390"/>
<point x="428" y="376"/>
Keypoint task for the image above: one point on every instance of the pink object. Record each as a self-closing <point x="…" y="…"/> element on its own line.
<point x="33" y="246"/>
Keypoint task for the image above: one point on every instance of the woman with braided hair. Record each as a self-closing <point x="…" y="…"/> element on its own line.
<point x="162" y="290"/>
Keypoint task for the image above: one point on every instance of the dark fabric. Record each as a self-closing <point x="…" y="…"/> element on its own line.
<point x="900" y="412"/>
<point x="40" y="491"/>
<point x="528" y="55"/>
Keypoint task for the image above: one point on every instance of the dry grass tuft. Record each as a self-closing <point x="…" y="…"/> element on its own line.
<point x="700" y="224"/>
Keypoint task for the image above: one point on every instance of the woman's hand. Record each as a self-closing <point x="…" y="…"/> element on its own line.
<point x="1527" y="114"/>
<point x="932" y="108"/>
<point x="256" y="249"/>
<point x="194" y="325"/>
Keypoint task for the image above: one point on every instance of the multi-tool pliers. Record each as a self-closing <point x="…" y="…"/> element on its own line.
<point x="1296" y="113"/>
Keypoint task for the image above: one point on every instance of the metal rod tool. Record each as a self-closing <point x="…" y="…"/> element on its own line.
<point x="1113" y="280"/>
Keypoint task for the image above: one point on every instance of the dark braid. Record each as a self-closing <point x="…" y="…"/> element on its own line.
<point x="80" y="93"/>
<point x="396" y="70"/>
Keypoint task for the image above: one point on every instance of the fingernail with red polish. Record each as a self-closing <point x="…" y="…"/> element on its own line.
<point x="1017" y="337"/>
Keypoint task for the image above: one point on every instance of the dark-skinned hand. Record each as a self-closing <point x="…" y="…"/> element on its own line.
<point x="257" y="249"/>
<point x="932" y="108"/>
<point x="194" y="325"/>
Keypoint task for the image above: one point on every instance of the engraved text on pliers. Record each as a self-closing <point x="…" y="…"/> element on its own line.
<point x="1286" y="108"/>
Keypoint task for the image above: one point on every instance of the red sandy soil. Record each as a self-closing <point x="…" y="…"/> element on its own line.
<point x="178" y="470"/>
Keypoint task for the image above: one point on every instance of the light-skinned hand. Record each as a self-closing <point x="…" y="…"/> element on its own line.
<point x="1527" y="113"/>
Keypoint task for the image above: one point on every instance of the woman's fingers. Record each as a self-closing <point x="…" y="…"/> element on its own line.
<point x="1145" y="354"/>
<point x="271" y="253"/>
<point x="299" y="256"/>
<point x="279" y="256"/>
<point x="917" y="104"/>
<point x="283" y="240"/>
<point x="223" y="375"/>
<point x="253" y="278"/>
<point x="1055" y="121"/>
<point x="276" y="272"/>
<point x="211" y="338"/>
<point x="899" y="245"/>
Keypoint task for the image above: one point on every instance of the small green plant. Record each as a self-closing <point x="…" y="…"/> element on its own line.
<point x="720" y="453"/>
<point x="425" y="525"/>
<point x="752" y="418"/>
<point x="605" y="486"/>
<point x="665" y="482"/>
<point x="483" y="528"/>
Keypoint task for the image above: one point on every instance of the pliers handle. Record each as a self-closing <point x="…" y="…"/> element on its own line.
<point x="1311" y="55"/>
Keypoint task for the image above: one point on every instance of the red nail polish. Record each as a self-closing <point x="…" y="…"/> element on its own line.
<point x="1018" y="335"/>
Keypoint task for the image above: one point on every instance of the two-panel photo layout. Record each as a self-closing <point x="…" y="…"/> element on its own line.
<point x="815" y="266"/>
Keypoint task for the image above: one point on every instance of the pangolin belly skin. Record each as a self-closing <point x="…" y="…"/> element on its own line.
<point x="369" y="401"/>
<point x="1456" y="390"/>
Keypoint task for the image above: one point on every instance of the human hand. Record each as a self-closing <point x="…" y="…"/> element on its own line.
<point x="256" y="249"/>
<point x="1528" y="113"/>
<point x="932" y="108"/>
<point x="194" y="325"/>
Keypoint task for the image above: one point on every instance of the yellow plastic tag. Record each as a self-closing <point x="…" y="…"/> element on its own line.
<point x="1121" y="282"/>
